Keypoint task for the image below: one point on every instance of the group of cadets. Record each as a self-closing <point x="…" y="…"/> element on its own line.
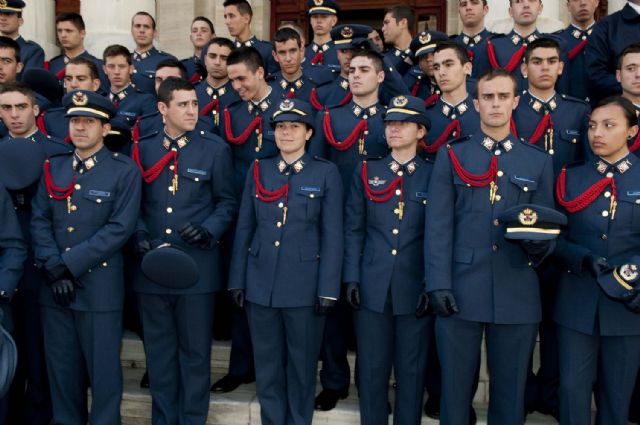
<point x="325" y="196"/>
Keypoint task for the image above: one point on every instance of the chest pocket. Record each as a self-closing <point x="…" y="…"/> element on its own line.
<point x="629" y="208"/>
<point x="196" y="180"/>
<point x="416" y="202"/>
<point x="465" y="195"/>
<point x="525" y="187"/>
<point x="312" y="195"/>
<point x="99" y="203"/>
<point x="571" y="136"/>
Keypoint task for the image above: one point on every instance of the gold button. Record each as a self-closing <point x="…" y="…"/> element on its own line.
<point x="494" y="248"/>
<point x="170" y="188"/>
<point x="279" y="224"/>
<point x="280" y="205"/>
<point x="104" y="264"/>
<point x="500" y="173"/>
<point x="74" y="208"/>
<point x="70" y="229"/>
<point x="172" y="167"/>
<point x="498" y="152"/>
<point x="312" y="196"/>
<point x="169" y="210"/>
<point x="398" y="192"/>
<point x="603" y="237"/>
<point x="400" y="173"/>
<point x="498" y="197"/>
<point x="168" y="231"/>
<point x="609" y="174"/>
<point x="277" y="243"/>
<point x="496" y="222"/>
<point x="607" y="194"/>
<point x="574" y="141"/>
<point x="394" y="252"/>
<point x="395" y="231"/>
<point x="197" y="179"/>
<point x="605" y="213"/>
<point x="424" y="202"/>
<point x="67" y="249"/>
<point x="99" y="200"/>
<point x="526" y="189"/>
<point x="77" y="186"/>
<point x="637" y="201"/>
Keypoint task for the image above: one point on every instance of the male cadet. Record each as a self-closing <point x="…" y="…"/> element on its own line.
<point x="452" y="116"/>
<point x="478" y="282"/>
<point x="30" y="399"/>
<point x="31" y="54"/>
<point x="473" y="34"/>
<point x="145" y="55"/>
<point x="10" y="63"/>
<point x="192" y="215"/>
<point x="397" y="26"/>
<point x="70" y="30"/>
<point x="628" y="75"/>
<point x="130" y="102"/>
<point x="237" y="17"/>
<point x="557" y="124"/>
<point x="245" y="126"/>
<point x="323" y="15"/>
<point x="420" y="79"/>
<point x="81" y="73"/>
<point x="201" y="34"/>
<point x="84" y="212"/>
<point x="609" y="37"/>
<point x="215" y="92"/>
<point x="575" y="37"/>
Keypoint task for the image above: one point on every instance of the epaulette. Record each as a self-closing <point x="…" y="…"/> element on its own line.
<point x="54" y="110"/>
<point x="120" y="157"/>
<point x="60" y="155"/>
<point x="271" y="77"/>
<point x="497" y="35"/>
<point x="375" y="158"/>
<point x="575" y="164"/>
<point x="574" y="99"/>
<point x="149" y="135"/>
<point x="431" y="105"/>
<point x="150" y="115"/>
<point x="236" y="102"/>
<point x="459" y="139"/>
<point x="321" y="159"/>
<point x="532" y="146"/>
<point x="210" y="136"/>
<point x="56" y="57"/>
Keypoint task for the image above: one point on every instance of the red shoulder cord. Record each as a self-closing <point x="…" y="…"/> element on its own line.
<point x="318" y="58"/>
<point x="587" y="197"/>
<point x="382" y="195"/>
<point x="545" y="125"/>
<point x="156" y="169"/>
<point x="56" y="192"/>
<point x="40" y="123"/>
<point x="315" y="102"/>
<point x="291" y="94"/>
<point x="358" y="133"/>
<point x="513" y="62"/>
<point x="453" y="129"/>
<point x="209" y="107"/>
<point x="470" y="53"/>
<point x="577" y="50"/>
<point x="415" y="87"/>
<point x="474" y="180"/>
<point x="60" y="74"/>
<point x="256" y="123"/>
<point x="46" y="65"/>
<point x="195" y="78"/>
<point x="264" y="194"/>
<point x="346" y="99"/>
<point x="431" y="99"/>
<point x="512" y="127"/>
<point x="636" y="143"/>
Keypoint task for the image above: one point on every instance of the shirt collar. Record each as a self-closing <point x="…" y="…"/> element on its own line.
<point x="399" y="169"/>
<point x="87" y="164"/>
<point x="517" y="38"/>
<point x="472" y="40"/>
<point x="216" y="91"/>
<point x="538" y="105"/>
<point x="498" y="147"/>
<point x="296" y="166"/>
<point x="365" y="112"/>
<point x="121" y="94"/>
<point x="174" y="143"/>
<point x="606" y="168"/>
<point x="262" y="104"/>
<point x="454" y="111"/>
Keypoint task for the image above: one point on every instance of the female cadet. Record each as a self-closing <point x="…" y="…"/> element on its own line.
<point x="383" y="267"/>
<point x="599" y="328"/>
<point x="287" y="258"/>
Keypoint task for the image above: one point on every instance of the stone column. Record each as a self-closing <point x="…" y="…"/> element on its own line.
<point x="615" y="5"/>
<point x="498" y="19"/>
<point x="39" y="25"/>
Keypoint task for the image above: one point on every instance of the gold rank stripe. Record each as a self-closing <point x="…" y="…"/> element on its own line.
<point x="297" y="111"/>
<point x="620" y="280"/>
<point x="93" y="111"/>
<point x="533" y="230"/>
<point x="345" y="41"/>
<point x="326" y="9"/>
<point x="428" y="46"/>
<point x="403" y="111"/>
<point x="11" y="9"/>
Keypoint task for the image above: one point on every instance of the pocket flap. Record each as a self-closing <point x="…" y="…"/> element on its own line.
<point x="571" y="136"/>
<point x="418" y="196"/>
<point x="463" y="255"/>
<point x="523" y="182"/>
<point x="632" y="196"/>
<point x="98" y="196"/>
<point x="196" y="174"/>
<point x="310" y="191"/>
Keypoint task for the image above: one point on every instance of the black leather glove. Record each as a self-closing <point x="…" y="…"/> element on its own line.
<point x="443" y="303"/>
<point x="423" y="305"/>
<point x="195" y="235"/>
<point x="594" y="264"/>
<point x="633" y="303"/>
<point x="353" y="295"/>
<point x="63" y="292"/>
<point x="57" y="272"/>
<point x="324" y="306"/>
<point x="535" y="248"/>
<point x="6" y="297"/>
<point x="237" y="296"/>
<point x="141" y="243"/>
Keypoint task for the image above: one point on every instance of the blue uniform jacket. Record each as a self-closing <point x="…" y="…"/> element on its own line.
<point x="194" y="67"/>
<point x="31" y="54"/>
<point x="58" y="63"/>
<point x="580" y="303"/>
<point x="204" y="197"/>
<point x="133" y="103"/>
<point x="572" y="37"/>
<point x="442" y="113"/>
<point x="466" y="252"/>
<point x="473" y="43"/>
<point x="298" y="89"/>
<point x="400" y="60"/>
<point x="265" y="49"/>
<point x="329" y="55"/>
<point x="213" y="100"/>
<point x="384" y="253"/>
<point x="13" y="246"/>
<point x="88" y="232"/>
<point x="289" y="263"/>
<point x="145" y="68"/>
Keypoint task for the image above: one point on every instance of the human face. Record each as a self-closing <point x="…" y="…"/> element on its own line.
<point x="78" y="77"/>
<point x="472" y="12"/>
<point x="216" y="61"/>
<point x="18" y="113"/>
<point x="377" y="40"/>
<point x="118" y="71"/>
<point x="322" y="24"/>
<point x="363" y="78"/>
<point x="87" y="134"/>
<point x="449" y="72"/>
<point x="582" y="11"/>
<point x="543" y="68"/>
<point x="496" y="101"/>
<point x="236" y="22"/>
<point x="201" y="34"/>
<point x="629" y="75"/>
<point x="164" y="73"/>
<point x="391" y="29"/>
<point x="10" y="24"/>
<point x="344" y="57"/>
<point x="291" y="138"/>
<point x="609" y="132"/>
<point x="426" y="64"/>
<point x="401" y="135"/>
<point x="248" y="84"/>
<point x="70" y="37"/>
<point x="9" y="67"/>
<point x="142" y="31"/>
<point x="289" y="56"/>
<point x="181" y="114"/>
<point x="525" y="12"/>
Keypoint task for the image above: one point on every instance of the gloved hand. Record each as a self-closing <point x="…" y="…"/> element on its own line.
<point x="594" y="264"/>
<point x="353" y="295"/>
<point x="324" y="306"/>
<point x="141" y="243"/>
<point x="57" y="272"/>
<point x="442" y="302"/>
<point x="237" y="295"/>
<point x="535" y="248"/>
<point x="423" y="305"/>
<point x="195" y="235"/>
<point x="633" y="303"/>
<point x="63" y="292"/>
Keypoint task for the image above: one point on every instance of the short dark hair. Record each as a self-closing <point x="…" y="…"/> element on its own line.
<point x="248" y="56"/>
<point x="93" y="68"/>
<point x="222" y="42"/>
<point x="541" y="43"/>
<point x="294" y="26"/>
<point x="496" y="73"/>
<point x="402" y="11"/>
<point x="631" y="48"/>
<point x="20" y="87"/>
<point x="205" y="20"/>
<point x="484" y="2"/>
<point x="285" y="34"/>
<point x="172" y="63"/>
<point x="116" y="50"/>
<point x="147" y="14"/>
<point x="243" y="6"/>
<point x="374" y="56"/>
<point x="171" y="84"/>
<point x="74" y="18"/>
<point x="626" y="105"/>
<point x="459" y="50"/>
<point x="10" y="43"/>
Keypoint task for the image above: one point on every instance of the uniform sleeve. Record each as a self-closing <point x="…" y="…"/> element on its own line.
<point x="439" y="225"/>
<point x="355" y="224"/>
<point x="331" y="236"/>
<point x="599" y="60"/>
<point x="46" y="250"/>
<point x="116" y="231"/>
<point x="149" y="105"/>
<point x="393" y="84"/>
<point x="13" y="247"/>
<point x="546" y="189"/>
<point x="35" y="60"/>
<point x="318" y="143"/>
